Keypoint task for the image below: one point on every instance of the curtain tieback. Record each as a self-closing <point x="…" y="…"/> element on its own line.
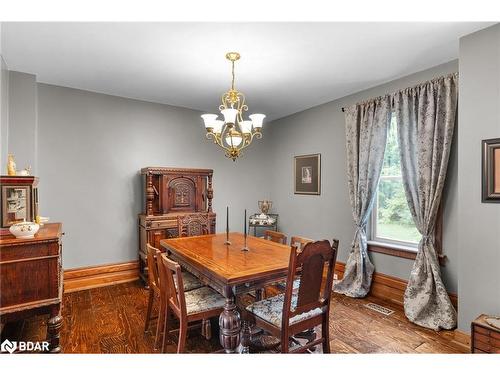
<point x="427" y="238"/>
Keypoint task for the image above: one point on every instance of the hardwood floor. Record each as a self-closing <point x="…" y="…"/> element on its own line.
<point x="111" y="320"/>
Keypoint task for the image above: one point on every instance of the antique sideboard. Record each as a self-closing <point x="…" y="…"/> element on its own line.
<point x="168" y="194"/>
<point x="31" y="279"/>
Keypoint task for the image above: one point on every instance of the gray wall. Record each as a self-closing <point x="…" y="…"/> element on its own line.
<point x="4" y="114"/>
<point x="4" y="106"/>
<point x="90" y="150"/>
<point x="478" y="223"/>
<point x="322" y="130"/>
<point x="23" y="121"/>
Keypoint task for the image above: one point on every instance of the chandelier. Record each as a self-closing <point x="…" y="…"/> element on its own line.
<point x="233" y="133"/>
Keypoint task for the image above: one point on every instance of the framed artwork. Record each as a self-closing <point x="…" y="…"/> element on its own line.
<point x="307" y="174"/>
<point x="491" y="170"/>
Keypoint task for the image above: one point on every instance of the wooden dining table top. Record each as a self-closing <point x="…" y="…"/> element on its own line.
<point x="229" y="263"/>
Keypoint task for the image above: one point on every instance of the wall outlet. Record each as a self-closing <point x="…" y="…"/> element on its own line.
<point x="335" y="276"/>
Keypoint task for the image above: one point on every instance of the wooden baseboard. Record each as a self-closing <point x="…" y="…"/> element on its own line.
<point x="97" y="276"/>
<point x="388" y="287"/>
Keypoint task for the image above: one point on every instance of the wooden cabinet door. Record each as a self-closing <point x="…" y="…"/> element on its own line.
<point x="181" y="195"/>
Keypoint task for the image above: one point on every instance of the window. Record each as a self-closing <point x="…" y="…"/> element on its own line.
<point x="391" y="220"/>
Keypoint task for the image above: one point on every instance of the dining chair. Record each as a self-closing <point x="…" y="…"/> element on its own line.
<point x="274" y="236"/>
<point x="293" y="312"/>
<point x="299" y="242"/>
<point x="195" y="305"/>
<point x="190" y="283"/>
<point x="193" y="225"/>
<point x="277" y="237"/>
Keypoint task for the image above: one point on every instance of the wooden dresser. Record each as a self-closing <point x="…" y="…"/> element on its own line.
<point x="31" y="279"/>
<point x="484" y="338"/>
<point x="169" y="193"/>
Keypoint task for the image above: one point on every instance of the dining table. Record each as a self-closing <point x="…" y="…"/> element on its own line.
<point x="231" y="269"/>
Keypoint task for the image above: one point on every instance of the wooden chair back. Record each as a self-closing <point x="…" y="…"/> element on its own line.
<point x="299" y="242"/>
<point x="193" y="225"/>
<point x="173" y="294"/>
<point x="274" y="236"/>
<point x="152" y="261"/>
<point x="309" y="264"/>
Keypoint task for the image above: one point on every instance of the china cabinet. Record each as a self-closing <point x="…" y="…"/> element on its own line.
<point x="170" y="193"/>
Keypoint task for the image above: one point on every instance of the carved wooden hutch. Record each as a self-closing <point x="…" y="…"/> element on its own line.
<point x="169" y="193"/>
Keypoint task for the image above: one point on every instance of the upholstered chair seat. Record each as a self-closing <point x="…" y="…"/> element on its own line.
<point x="190" y="281"/>
<point x="271" y="310"/>
<point x="203" y="299"/>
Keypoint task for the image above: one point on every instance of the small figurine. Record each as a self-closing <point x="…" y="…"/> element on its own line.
<point x="11" y="165"/>
<point x="25" y="171"/>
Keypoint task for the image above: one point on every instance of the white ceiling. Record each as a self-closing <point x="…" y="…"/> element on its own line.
<point x="285" y="67"/>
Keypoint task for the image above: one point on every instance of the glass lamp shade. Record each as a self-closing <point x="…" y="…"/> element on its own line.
<point x="246" y="126"/>
<point x="235" y="138"/>
<point x="209" y="119"/>
<point x="229" y="115"/>
<point x="218" y="126"/>
<point x="257" y="119"/>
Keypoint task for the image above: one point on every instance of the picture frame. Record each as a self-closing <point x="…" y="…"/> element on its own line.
<point x="490" y="170"/>
<point x="307" y="174"/>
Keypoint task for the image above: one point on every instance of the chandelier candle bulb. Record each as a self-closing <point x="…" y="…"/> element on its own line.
<point x="257" y="119"/>
<point x="229" y="115"/>
<point x="218" y="124"/>
<point x="246" y="126"/>
<point x="209" y="120"/>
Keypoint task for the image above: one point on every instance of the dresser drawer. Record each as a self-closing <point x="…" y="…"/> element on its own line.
<point x="161" y="224"/>
<point x="29" y="251"/>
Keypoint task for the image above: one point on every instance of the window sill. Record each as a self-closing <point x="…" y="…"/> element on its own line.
<point x="398" y="251"/>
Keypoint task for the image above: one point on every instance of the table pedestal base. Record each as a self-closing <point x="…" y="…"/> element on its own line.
<point x="230" y="325"/>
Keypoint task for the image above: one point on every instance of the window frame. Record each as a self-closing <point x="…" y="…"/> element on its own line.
<point x="402" y="249"/>
<point x="397" y="244"/>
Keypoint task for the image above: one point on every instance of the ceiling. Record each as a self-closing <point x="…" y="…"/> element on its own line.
<point x="285" y="67"/>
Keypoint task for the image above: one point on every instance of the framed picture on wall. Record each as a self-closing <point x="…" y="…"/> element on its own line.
<point x="307" y="174"/>
<point x="491" y="171"/>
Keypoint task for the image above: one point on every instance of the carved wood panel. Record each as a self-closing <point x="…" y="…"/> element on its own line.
<point x="182" y="194"/>
<point x="193" y="225"/>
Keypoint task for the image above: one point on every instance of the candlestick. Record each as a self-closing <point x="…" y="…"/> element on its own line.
<point x="227" y="242"/>
<point x="245" y="247"/>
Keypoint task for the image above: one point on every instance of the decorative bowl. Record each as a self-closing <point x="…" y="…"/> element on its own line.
<point x="24" y="229"/>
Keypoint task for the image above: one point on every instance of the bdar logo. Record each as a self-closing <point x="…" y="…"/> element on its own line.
<point x="8" y="346"/>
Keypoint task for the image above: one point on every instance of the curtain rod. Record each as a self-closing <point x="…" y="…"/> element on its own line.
<point x="415" y="86"/>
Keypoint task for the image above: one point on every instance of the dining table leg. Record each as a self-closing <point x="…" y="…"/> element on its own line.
<point x="229" y="323"/>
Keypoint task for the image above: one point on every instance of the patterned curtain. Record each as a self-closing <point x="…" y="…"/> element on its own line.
<point x="366" y="135"/>
<point x="426" y="120"/>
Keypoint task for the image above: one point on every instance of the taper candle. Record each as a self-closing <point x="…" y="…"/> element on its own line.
<point x="245" y="247"/>
<point x="227" y="227"/>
